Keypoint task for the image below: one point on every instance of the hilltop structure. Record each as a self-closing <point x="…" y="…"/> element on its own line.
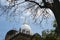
<point x="24" y="33"/>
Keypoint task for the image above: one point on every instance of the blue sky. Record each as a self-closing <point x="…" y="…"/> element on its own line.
<point x="6" y="25"/>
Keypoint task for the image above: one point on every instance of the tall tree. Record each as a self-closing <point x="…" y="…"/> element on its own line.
<point x="55" y="7"/>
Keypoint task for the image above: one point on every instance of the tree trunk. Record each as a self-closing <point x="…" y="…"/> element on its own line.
<point x="56" y="11"/>
<point x="55" y="7"/>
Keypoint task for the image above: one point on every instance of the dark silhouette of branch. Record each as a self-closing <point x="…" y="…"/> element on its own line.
<point x="36" y="3"/>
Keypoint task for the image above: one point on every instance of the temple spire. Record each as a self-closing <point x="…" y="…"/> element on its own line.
<point x="25" y="21"/>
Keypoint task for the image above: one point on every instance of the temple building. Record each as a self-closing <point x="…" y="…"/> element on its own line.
<point x="24" y="33"/>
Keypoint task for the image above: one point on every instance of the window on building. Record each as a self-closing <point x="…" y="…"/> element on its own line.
<point x="23" y="31"/>
<point x="28" y="32"/>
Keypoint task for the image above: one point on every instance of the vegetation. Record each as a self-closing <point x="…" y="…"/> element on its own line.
<point x="48" y="35"/>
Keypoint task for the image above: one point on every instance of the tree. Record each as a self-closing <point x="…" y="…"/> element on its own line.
<point x="49" y="35"/>
<point x="33" y="7"/>
<point x="55" y="7"/>
<point x="55" y="24"/>
<point x="36" y="36"/>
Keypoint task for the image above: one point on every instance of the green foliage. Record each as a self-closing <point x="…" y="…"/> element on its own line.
<point x="49" y="35"/>
<point x="36" y="37"/>
<point x="54" y="23"/>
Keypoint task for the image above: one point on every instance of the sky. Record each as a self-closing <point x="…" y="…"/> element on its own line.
<point x="6" y="25"/>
